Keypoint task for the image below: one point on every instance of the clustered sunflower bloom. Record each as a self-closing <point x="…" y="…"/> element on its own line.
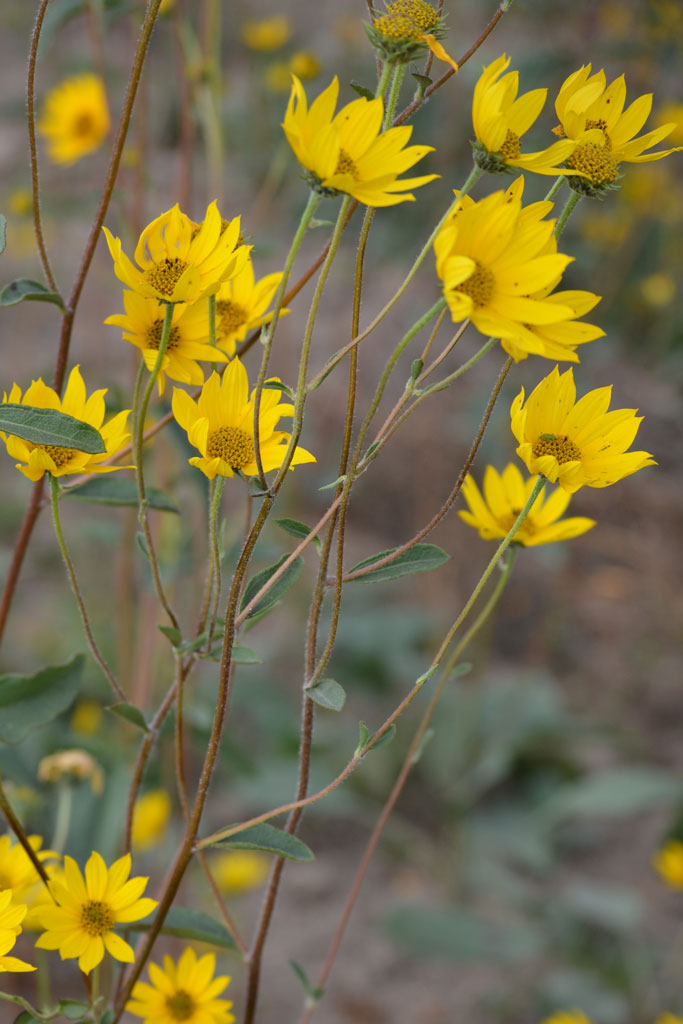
<point x="81" y="922"/>
<point x="241" y="305"/>
<point x="75" y="118"/>
<point x="11" y="916"/>
<point x="505" y="495"/>
<point x="349" y="152"/>
<point x="501" y="117"/>
<point x="499" y="265"/>
<point x="142" y="326"/>
<point x="47" y="458"/>
<point x="669" y="863"/>
<point x="592" y="114"/>
<point x="184" y="991"/>
<point x="576" y="444"/>
<point x="220" y="424"/>
<point x="178" y="262"/>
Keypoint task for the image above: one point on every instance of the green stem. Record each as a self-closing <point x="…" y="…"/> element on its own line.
<point x="54" y="495"/>
<point x="441" y="385"/>
<point x="95" y="993"/>
<point x="43" y="978"/>
<point x="62" y="817"/>
<point x="554" y="188"/>
<point x="566" y="213"/>
<point x="269" y="329"/>
<point x="501" y="549"/>
<point x="215" y="553"/>
<point x="396" y="84"/>
<point x="384" y="79"/>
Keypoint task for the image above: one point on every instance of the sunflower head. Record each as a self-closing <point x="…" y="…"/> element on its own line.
<point x="75" y="118"/>
<point x="182" y="992"/>
<point x="406" y="30"/>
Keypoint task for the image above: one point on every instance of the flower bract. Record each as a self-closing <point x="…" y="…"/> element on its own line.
<point x="176" y="262"/>
<point x="576" y="444"/>
<point x="184" y="991"/>
<point x="501" y="117"/>
<point x="44" y="458"/>
<point x="81" y="923"/>
<point x="220" y="424"/>
<point x="151" y="814"/>
<point x="591" y="113"/>
<point x="241" y="306"/>
<point x="11" y="916"/>
<point x="348" y="152"/>
<point x="406" y="30"/>
<point x="75" y="118"/>
<point x="499" y="264"/>
<point x="142" y="325"/>
<point x="505" y="495"/>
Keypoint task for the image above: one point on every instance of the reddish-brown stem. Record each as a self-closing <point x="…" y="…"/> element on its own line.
<point x="16" y="827"/>
<point x="20" y="546"/>
<point x="31" y="121"/>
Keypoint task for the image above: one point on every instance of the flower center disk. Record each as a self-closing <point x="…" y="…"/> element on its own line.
<point x="345" y="165"/>
<point x="96" y="917"/>
<point x="83" y="125"/>
<point x="511" y="148"/>
<point x="60" y="456"/>
<point x="154" y="332"/>
<point x="164" y="276"/>
<point x="232" y="445"/>
<point x="231" y="315"/>
<point x="180" y="1005"/>
<point x="479" y="286"/>
<point x="560" y="447"/>
<point x="595" y="161"/>
<point x="422" y="14"/>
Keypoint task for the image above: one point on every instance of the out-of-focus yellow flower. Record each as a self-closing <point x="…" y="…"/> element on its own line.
<point x="278" y="76"/>
<point x="184" y="991"/>
<point x="669" y="112"/>
<point x="20" y="202"/>
<point x="75" y="118"/>
<point x="267" y="34"/>
<point x="11" y="916"/>
<point x="658" y="289"/>
<point x="151" y="815"/>
<point x="349" y="152"/>
<point x="567" y="1017"/>
<point x="16" y="868"/>
<point x="86" y="718"/>
<point x="47" y="458"/>
<point x="616" y="19"/>
<point x="179" y="260"/>
<point x="669" y="863"/>
<point x="304" y="65"/>
<point x="71" y="766"/>
<point x="505" y="495"/>
<point x="166" y="6"/>
<point x="606" y="229"/>
<point x="575" y="444"/>
<point x="240" y="870"/>
<point x="669" y="1018"/>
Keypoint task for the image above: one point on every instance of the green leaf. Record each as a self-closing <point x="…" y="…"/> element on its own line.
<point x="613" y="793"/>
<point x="33" y="291"/>
<point x="49" y="426"/>
<point x="120" y="491"/>
<point x="277" y="385"/>
<point x="362" y="90"/>
<point x="3" y="233"/>
<point x="174" y="635"/>
<point x="27" y="702"/>
<point x="385" y="738"/>
<point x="192" y="925"/>
<point x="72" y="1010"/>
<point x="242" y="655"/>
<point x="296" y="529"/>
<point x="141" y="542"/>
<point x="365" y="734"/>
<point x="255" y="489"/>
<point x="363" y="737"/>
<point x="328" y="487"/>
<point x="272" y="840"/>
<point x="130" y="713"/>
<point x="328" y="693"/>
<point x="463" y="669"/>
<point x="313" y="994"/>
<point x="276" y="592"/>
<point x="419" y="558"/>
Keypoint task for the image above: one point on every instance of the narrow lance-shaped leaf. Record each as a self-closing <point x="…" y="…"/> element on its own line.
<point x="419" y="558"/>
<point x="33" y="291"/>
<point x="119" y="491"/>
<point x="276" y="592"/>
<point x="189" y="924"/>
<point x="50" y="427"/>
<point x="270" y="839"/>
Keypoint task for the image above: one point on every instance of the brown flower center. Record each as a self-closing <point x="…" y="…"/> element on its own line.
<point x="231" y="316"/>
<point x="396" y="26"/>
<point x="154" y="332"/>
<point x="180" y="1005"/>
<point x="602" y="125"/>
<point x="164" y="276"/>
<point x="83" y="126"/>
<point x="479" y="286"/>
<point x="560" y="447"/>
<point x="96" y="917"/>
<point x="595" y="161"/>
<point x="60" y="456"/>
<point x="345" y="165"/>
<point x="232" y="445"/>
<point x="422" y="14"/>
<point x="511" y="148"/>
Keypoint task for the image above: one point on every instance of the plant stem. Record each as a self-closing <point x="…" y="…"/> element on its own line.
<point x="22" y="838"/>
<point x="62" y="817"/>
<point x="554" y="188"/>
<point x="215" y="553"/>
<point x="113" y="682"/>
<point x="566" y="213"/>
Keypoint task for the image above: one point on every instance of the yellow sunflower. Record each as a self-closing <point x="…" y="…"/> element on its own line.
<point x="567" y="1017"/>
<point x="16" y="868"/>
<point x="505" y="495"/>
<point x="184" y="991"/>
<point x="11" y="916"/>
<point x="241" y="305"/>
<point x="669" y="863"/>
<point x="151" y="815"/>
<point x="47" y="458"/>
<point x="406" y="30"/>
<point x="499" y="264"/>
<point x="592" y="114"/>
<point x="75" y="118"/>
<point x="669" y="1018"/>
<point x="142" y="324"/>
<point x="267" y="34"/>
<point x="82" y="923"/>
<point x="576" y="444"/>
<point x="240" y="870"/>
<point x="349" y="152"/>
<point x="500" y="118"/>
<point x="177" y="262"/>
<point x="221" y="425"/>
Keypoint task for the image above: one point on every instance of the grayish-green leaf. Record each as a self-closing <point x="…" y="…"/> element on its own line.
<point x="272" y="840"/>
<point x="190" y="924"/>
<point x="3" y="233"/>
<point x="27" y="702"/>
<point x="328" y="693"/>
<point x="173" y="635"/>
<point x="614" y="793"/>
<point x="363" y="737"/>
<point x="119" y="490"/>
<point x="49" y="426"/>
<point x="313" y="993"/>
<point x="362" y="90"/>
<point x="276" y="592"/>
<point x="450" y="933"/>
<point x="385" y="738"/>
<point x="296" y="529"/>
<point x="23" y="289"/>
<point x="130" y="713"/>
<point x="278" y="385"/>
<point x="419" y="558"/>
